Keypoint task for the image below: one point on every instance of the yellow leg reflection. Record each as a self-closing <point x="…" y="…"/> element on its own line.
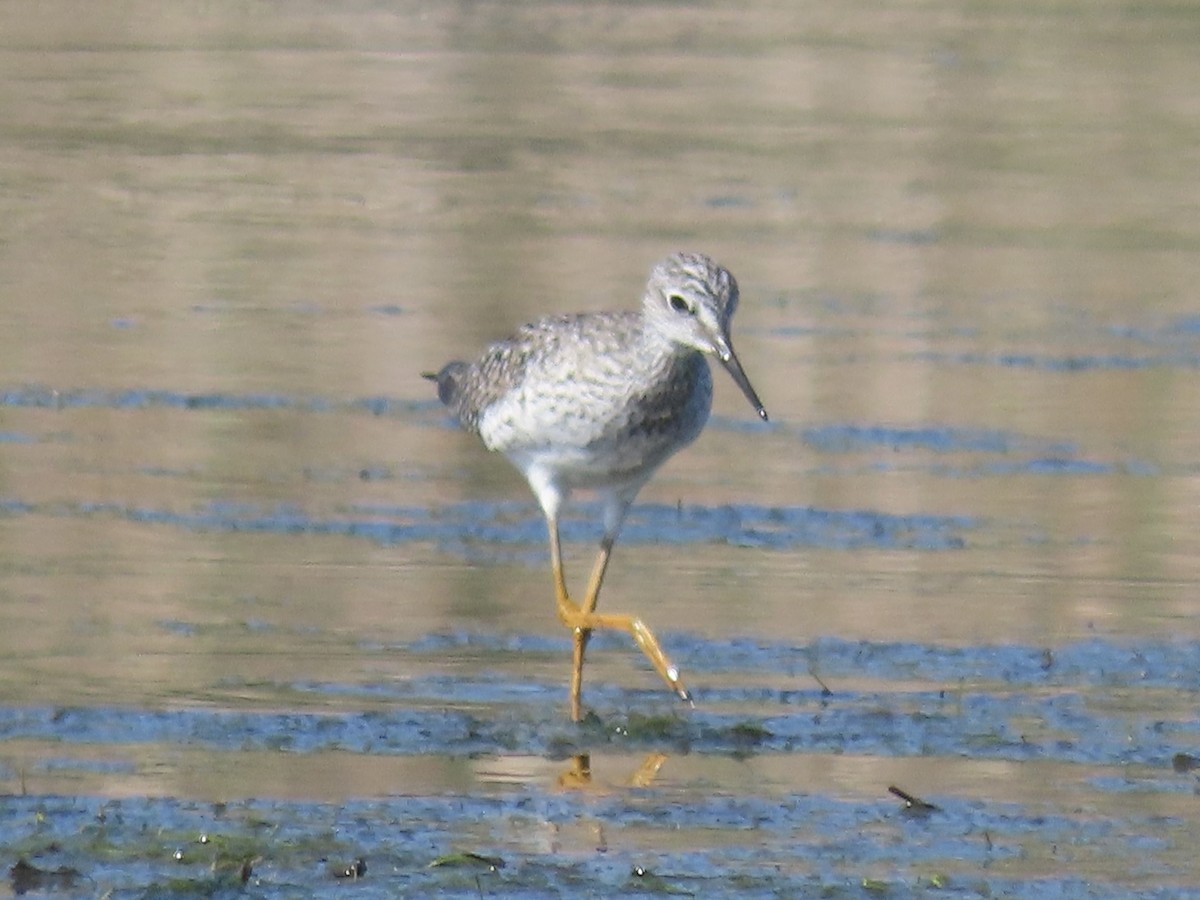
<point x="578" y="775"/>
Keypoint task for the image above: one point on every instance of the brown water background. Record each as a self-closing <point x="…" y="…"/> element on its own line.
<point x="232" y="235"/>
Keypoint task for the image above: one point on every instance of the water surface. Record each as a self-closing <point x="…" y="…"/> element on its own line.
<point x="265" y="612"/>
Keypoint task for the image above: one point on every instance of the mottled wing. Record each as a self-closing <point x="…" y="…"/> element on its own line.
<point x="470" y="389"/>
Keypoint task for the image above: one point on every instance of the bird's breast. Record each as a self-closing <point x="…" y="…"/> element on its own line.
<point x="592" y="424"/>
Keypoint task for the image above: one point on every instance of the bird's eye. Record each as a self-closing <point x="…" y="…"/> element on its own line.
<point x="679" y="304"/>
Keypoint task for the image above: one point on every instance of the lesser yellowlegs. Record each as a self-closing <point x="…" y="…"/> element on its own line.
<point x="599" y="401"/>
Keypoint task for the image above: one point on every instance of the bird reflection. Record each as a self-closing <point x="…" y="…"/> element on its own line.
<point x="578" y="775"/>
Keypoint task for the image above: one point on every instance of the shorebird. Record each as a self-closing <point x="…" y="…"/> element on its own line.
<point x="599" y="401"/>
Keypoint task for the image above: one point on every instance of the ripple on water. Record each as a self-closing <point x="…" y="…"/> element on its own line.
<point x="885" y="700"/>
<point x="463" y="526"/>
<point x="967" y="707"/>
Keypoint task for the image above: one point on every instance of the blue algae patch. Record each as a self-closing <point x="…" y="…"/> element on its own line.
<point x="375" y="473"/>
<point x="100" y="766"/>
<point x="135" y="398"/>
<point x="1188" y="325"/>
<point x="1079" y="665"/>
<point x="455" y="641"/>
<point x="1083" y="663"/>
<point x="12" y="507"/>
<point x="164" y="472"/>
<point x="1025" y="455"/>
<point x="16" y="437"/>
<point x="142" y="399"/>
<point x="780" y="527"/>
<point x="1047" y="466"/>
<point x="1169" y="343"/>
<point x="913" y="237"/>
<point x="806" y="331"/>
<point x="664" y="843"/>
<point x="1052" y="465"/>
<point x="728" y="201"/>
<point x="474" y="523"/>
<point x="410" y="731"/>
<point x="1180" y="330"/>
<point x="388" y="309"/>
<point x="843" y="437"/>
<point x="1009" y="704"/>
<point x="762" y="835"/>
<point x="1066" y="363"/>
<point x="177" y="627"/>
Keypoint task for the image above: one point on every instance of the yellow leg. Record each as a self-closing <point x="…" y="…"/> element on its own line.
<point x="645" y="639"/>
<point x="598" y="570"/>
<point x="581" y="636"/>
<point x="570" y="615"/>
<point x="580" y="633"/>
<point x="579" y="775"/>
<point x="648" y="770"/>
<point x="567" y="608"/>
<point x="641" y="633"/>
<point x="582" y="619"/>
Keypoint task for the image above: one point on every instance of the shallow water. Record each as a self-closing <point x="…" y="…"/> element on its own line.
<point x="265" y="612"/>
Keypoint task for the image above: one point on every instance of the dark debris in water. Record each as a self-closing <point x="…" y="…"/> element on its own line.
<point x="748" y="845"/>
<point x="1185" y="762"/>
<point x="27" y="878"/>
<point x="912" y="803"/>
<point x="469" y="860"/>
<point x="353" y="870"/>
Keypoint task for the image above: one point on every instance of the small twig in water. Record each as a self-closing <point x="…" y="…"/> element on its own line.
<point x="825" y="691"/>
<point x="911" y="801"/>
